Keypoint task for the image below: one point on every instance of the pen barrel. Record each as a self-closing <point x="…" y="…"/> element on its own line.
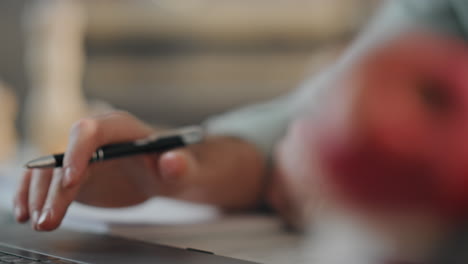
<point x="133" y="148"/>
<point x="58" y="160"/>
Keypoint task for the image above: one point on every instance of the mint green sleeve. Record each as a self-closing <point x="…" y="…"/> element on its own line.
<point x="264" y="124"/>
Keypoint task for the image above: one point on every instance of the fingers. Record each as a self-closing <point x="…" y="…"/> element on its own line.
<point x="86" y="136"/>
<point x="42" y="198"/>
<point x="22" y="198"/>
<point x="38" y="190"/>
<point x="177" y="164"/>
<point x="56" y="204"/>
<point x="32" y="194"/>
<point x="89" y="134"/>
<point x="44" y="195"/>
<point x="170" y="171"/>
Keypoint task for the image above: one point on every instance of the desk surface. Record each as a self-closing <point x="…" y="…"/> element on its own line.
<point x="255" y="237"/>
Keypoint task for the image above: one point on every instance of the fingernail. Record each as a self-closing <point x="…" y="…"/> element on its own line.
<point x="34" y="218"/>
<point x="43" y="219"/>
<point x="67" y="178"/>
<point x="169" y="169"/>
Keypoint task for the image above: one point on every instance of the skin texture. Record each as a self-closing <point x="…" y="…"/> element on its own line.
<point x="189" y="173"/>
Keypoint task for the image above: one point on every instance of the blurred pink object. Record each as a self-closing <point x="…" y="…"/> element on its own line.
<point x="393" y="138"/>
<point x="406" y="145"/>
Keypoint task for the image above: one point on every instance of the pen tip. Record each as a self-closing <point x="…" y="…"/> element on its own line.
<point x="43" y="162"/>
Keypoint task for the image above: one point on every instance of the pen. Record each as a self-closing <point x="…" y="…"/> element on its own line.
<point x="155" y="143"/>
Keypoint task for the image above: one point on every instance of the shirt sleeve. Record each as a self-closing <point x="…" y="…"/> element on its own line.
<point x="265" y="124"/>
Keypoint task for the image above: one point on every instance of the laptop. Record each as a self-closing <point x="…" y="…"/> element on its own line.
<point x="20" y="245"/>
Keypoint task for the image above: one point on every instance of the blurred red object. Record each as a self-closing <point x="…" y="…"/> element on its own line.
<point x="406" y="142"/>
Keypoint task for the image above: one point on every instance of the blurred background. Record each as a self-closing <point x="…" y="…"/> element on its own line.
<point x="169" y="62"/>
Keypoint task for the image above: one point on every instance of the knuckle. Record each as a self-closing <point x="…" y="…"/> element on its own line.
<point x="85" y="126"/>
<point x="120" y="114"/>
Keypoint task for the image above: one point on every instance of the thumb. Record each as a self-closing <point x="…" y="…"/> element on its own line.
<point x="178" y="165"/>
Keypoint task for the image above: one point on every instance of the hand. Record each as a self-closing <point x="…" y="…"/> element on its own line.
<point x="187" y="173"/>
<point x="45" y="194"/>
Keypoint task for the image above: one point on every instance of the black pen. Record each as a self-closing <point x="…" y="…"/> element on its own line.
<point x="156" y="143"/>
